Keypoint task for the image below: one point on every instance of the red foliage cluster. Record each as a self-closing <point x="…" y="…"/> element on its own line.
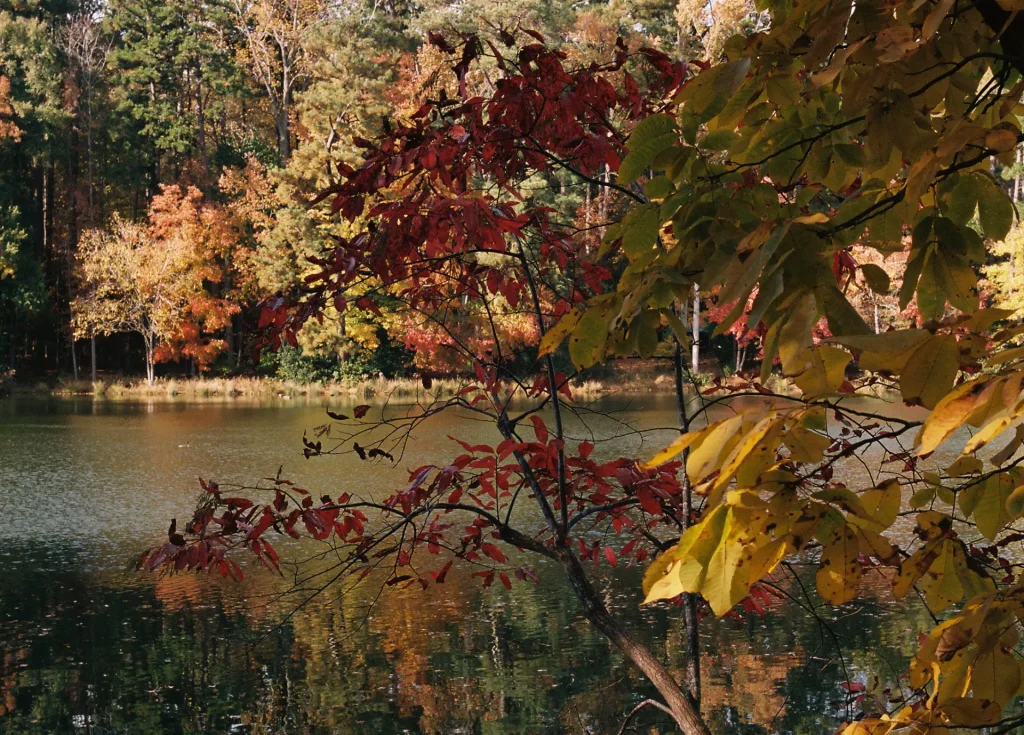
<point x="484" y="482"/>
<point x="442" y="186"/>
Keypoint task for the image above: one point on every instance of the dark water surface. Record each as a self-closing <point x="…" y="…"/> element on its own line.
<point x="87" y="646"/>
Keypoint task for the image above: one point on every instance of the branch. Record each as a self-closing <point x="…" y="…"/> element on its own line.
<point x="636" y="710"/>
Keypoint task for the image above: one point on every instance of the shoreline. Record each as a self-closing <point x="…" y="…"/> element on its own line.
<point x="251" y="388"/>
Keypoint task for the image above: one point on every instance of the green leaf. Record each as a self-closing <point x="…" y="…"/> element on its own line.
<point x="659" y="187"/>
<point x="995" y="209"/>
<point x="713" y="86"/>
<point x="876" y="278"/>
<point x="590" y="337"/>
<point x="641" y="155"/>
<point x="962" y="200"/>
<point x="640" y="229"/>
<point x="651" y="127"/>
<point x="719" y="140"/>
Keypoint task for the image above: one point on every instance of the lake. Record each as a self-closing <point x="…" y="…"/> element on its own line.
<point x="89" y="646"/>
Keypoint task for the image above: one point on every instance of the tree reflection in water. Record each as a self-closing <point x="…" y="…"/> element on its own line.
<point x="94" y="652"/>
<point x="87" y="647"/>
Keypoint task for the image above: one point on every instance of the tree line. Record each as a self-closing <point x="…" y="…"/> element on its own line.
<point x="160" y="164"/>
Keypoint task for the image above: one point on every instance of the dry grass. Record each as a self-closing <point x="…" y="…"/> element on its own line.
<point x="635" y="377"/>
<point x="196" y="389"/>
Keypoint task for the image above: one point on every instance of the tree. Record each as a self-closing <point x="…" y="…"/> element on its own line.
<point x="446" y="242"/>
<point x="152" y="280"/>
<point x="276" y="35"/>
<point x="170" y="58"/>
<point x="835" y="127"/>
<point x="1003" y="276"/>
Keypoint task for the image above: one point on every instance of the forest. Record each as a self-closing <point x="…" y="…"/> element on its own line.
<point x="164" y="163"/>
<point x="497" y="201"/>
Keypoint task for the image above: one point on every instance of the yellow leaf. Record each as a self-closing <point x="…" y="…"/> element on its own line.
<point x="659" y="568"/>
<point x="562" y="328"/>
<point x="824" y="370"/>
<point x="1001" y="140"/>
<point x="869" y="727"/>
<point x="895" y="42"/>
<point x="913" y="568"/>
<point x="818" y="218"/>
<point x="995" y="675"/>
<point x="844" y="498"/>
<point x="971" y="711"/>
<point x="1015" y="503"/>
<point x="964" y="466"/>
<point x="929" y="373"/>
<point x="935" y="18"/>
<point x="678" y="445"/>
<point x="988" y="432"/>
<point x="718" y="588"/>
<point x="805" y="445"/>
<point x="693" y="552"/>
<point x="941" y="584"/>
<point x="990" y="513"/>
<point x="1010" y="449"/>
<point x="874" y="544"/>
<point x="951" y="413"/>
<point x="706" y="457"/>
<point x="883" y="503"/>
<point x="888" y="351"/>
<point x="839" y="573"/>
<point x="753" y="451"/>
<point x="837" y="64"/>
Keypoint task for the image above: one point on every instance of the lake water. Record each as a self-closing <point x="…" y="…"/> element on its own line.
<point x="89" y="646"/>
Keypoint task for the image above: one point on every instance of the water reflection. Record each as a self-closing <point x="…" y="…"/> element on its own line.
<point x="89" y="648"/>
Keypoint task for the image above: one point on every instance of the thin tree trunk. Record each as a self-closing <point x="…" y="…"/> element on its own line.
<point x="74" y="358"/>
<point x="685" y="713"/>
<point x="88" y="147"/>
<point x="695" y="345"/>
<point x="691" y="620"/>
<point x="149" y="360"/>
<point x="204" y="158"/>
<point x="1017" y="179"/>
<point x="92" y="353"/>
<point x="683" y="710"/>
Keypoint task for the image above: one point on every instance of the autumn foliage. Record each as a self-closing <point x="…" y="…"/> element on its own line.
<point x="770" y="180"/>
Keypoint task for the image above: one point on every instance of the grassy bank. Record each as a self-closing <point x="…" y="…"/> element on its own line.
<point x="623" y="376"/>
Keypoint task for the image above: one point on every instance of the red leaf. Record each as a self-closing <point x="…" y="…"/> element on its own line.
<point x="360" y="411"/>
<point x="493" y="551"/>
<point x="609" y="554"/>
<point x="262" y="525"/>
<point x="647" y="500"/>
<point x="505" y="580"/>
<point x="539" y="428"/>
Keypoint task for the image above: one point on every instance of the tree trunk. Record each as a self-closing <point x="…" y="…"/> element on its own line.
<point x="1017" y="179"/>
<point x="74" y="358"/>
<point x="149" y="359"/>
<point x="695" y="345"/>
<point x="691" y="621"/>
<point x="204" y="158"/>
<point x="284" y="141"/>
<point x="92" y="353"/>
<point x="683" y="711"/>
